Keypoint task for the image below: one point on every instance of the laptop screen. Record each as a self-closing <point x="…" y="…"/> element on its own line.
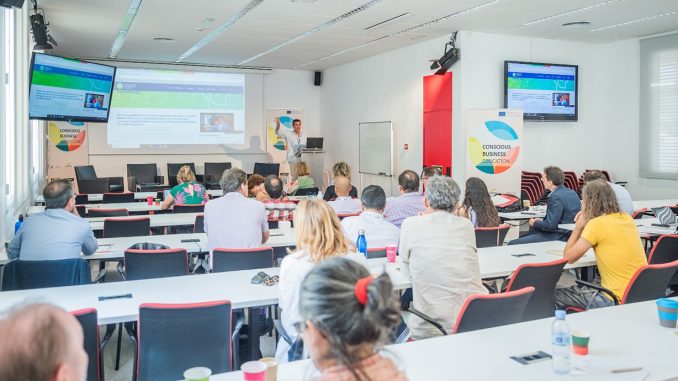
<point x="314" y="143"/>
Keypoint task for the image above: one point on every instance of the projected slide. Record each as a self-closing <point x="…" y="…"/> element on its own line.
<point x="160" y="108"/>
<point x="67" y="89"/>
<point x="541" y="89"/>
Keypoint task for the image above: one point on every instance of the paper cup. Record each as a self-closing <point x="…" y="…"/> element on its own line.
<point x="198" y="374"/>
<point x="391" y="252"/>
<point x="271" y="368"/>
<point x="526" y="204"/>
<point x="149" y="200"/>
<point x="580" y="342"/>
<point x="668" y="312"/>
<point x="254" y="371"/>
<point x="157" y="202"/>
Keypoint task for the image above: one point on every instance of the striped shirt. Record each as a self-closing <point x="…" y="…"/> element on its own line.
<point x="406" y="205"/>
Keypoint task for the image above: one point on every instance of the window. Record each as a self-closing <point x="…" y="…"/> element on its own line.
<point x="659" y="107"/>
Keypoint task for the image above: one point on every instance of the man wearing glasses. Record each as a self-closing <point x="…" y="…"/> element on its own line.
<point x="57" y="233"/>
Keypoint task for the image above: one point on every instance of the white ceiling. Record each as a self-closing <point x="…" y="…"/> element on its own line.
<point x="87" y="28"/>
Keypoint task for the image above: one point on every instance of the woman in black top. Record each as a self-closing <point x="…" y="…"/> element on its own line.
<point x="340" y="169"/>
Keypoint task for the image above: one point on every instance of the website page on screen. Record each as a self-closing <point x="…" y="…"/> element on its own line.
<point x="541" y="89"/>
<point x="159" y="108"/>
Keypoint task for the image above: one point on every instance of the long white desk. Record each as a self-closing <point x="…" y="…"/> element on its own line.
<point x="157" y="220"/>
<point x="130" y="206"/>
<point x="640" y="204"/>
<point x="645" y="228"/>
<point x="523" y="215"/>
<point x="621" y="337"/>
<point x="235" y="286"/>
<point x="98" y="197"/>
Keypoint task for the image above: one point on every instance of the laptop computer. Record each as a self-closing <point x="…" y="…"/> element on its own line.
<point x="314" y="143"/>
<point x="665" y="215"/>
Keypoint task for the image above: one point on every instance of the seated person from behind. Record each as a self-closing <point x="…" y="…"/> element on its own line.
<point x="378" y="232"/>
<point x="478" y="206"/>
<point x="340" y="169"/>
<point x="346" y="315"/>
<point x="255" y="187"/>
<point x="57" y="233"/>
<point x="187" y="191"/>
<point x="276" y="200"/>
<point x="344" y="204"/>
<point x="303" y="181"/>
<point x="41" y="342"/>
<point x="562" y="205"/>
<point x="615" y="240"/>
<point x="409" y="203"/>
<point x="438" y="252"/>
<point x="427" y="173"/>
<point x="623" y="196"/>
<point x="233" y="221"/>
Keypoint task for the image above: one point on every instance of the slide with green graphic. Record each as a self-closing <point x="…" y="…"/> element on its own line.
<point x="169" y="107"/>
<point x="542" y="89"/>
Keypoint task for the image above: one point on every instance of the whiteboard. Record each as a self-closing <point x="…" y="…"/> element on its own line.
<point x="376" y="148"/>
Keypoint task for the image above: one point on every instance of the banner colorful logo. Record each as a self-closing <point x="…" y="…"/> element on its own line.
<point x="67" y="137"/>
<point x="496" y="150"/>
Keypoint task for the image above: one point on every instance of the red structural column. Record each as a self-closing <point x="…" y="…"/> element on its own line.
<point x="438" y="121"/>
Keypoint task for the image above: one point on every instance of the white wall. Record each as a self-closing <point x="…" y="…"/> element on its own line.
<point x="389" y="87"/>
<point x="281" y="89"/>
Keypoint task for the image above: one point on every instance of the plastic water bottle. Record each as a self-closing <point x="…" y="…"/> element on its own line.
<point x="361" y="243"/>
<point x="319" y="196"/>
<point x="560" y="340"/>
<point x="17" y="225"/>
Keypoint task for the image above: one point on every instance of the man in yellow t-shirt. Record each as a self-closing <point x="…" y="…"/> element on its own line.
<point x="614" y="237"/>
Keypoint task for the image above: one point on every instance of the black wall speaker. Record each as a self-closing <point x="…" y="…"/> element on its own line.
<point x="12" y="3"/>
<point x="318" y="78"/>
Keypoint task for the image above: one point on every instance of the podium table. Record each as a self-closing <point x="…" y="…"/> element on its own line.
<point x="316" y="160"/>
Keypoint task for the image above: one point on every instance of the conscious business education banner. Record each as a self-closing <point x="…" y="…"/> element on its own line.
<point x="494" y="148"/>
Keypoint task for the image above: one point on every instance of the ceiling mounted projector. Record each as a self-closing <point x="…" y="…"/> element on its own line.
<point x="451" y="55"/>
<point x="39" y="29"/>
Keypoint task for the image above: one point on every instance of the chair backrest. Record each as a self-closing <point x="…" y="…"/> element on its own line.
<point x="82" y="210"/>
<point x="242" y="259"/>
<point x="214" y="171"/>
<point x="175" y="337"/>
<point x="344" y="215"/>
<point x="543" y="277"/>
<point x="81" y="199"/>
<point x="173" y="168"/>
<point x="24" y="275"/>
<point x="144" y="173"/>
<point x="199" y="224"/>
<point x="307" y="192"/>
<point x="665" y="250"/>
<point x="100" y="212"/>
<point x="638" y="214"/>
<point x="85" y="172"/>
<point x="490" y="237"/>
<point x="148" y="264"/>
<point x="126" y="227"/>
<point x="493" y="310"/>
<point x="90" y="328"/>
<point x="186" y="208"/>
<point x="266" y="169"/>
<point x="649" y="282"/>
<point x="116" y="198"/>
<point x="376" y="252"/>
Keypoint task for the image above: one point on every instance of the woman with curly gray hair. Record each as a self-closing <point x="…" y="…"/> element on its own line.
<point x="346" y="315"/>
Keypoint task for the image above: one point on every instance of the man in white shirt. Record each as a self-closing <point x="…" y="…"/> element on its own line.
<point x="344" y="204"/>
<point x="293" y="144"/>
<point x="438" y="252"/>
<point x="378" y="232"/>
<point x="623" y="195"/>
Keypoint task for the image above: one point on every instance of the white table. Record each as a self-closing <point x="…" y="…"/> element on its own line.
<point x="523" y="215"/>
<point x="653" y="203"/>
<point x="98" y="197"/>
<point x="622" y="337"/>
<point x="645" y="227"/>
<point x="235" y="286"/>
<point x="130" y="206"/>
<point x="157" y="220"/>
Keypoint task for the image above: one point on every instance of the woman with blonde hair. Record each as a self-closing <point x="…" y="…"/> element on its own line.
<point x="303" y="181"/>
<point x="340" y="169"/>
<point x="319" y="236"/>
<point x="187" y="191"/>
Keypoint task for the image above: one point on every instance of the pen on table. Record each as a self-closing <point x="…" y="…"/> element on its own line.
<point x="102" y="298"/>
<point x="624" y="370"/>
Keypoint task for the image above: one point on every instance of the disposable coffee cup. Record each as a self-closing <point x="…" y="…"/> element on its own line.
<point x="149" y="200"/>
<point x="271" y="368"/>
<point x="254" y="371"/>
<point x="668" y="312"/>
<point x="526" y="204"/>
<point x="580" y="342"/>
<point x="391" y="252"/>
<point x="157" y="202"/>
<point x="198" y="374"/>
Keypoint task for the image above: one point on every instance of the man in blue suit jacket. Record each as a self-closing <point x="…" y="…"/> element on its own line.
<point x="562" y="206"/>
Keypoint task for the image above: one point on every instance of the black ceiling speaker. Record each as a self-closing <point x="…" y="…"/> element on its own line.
<point x="11" y="3"/>
<point x="39" y="29"/>
<point x="317" y="78"/>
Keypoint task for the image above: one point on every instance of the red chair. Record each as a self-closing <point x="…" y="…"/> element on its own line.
<point x="648" y="283"/>
<point x="543" y="277"/>
<point x="175" y="337"/>
<point x="147" y="264"/>
<point x="116" y="198"/>
<point x="487" y="311"/>
<point x="638" y="214"/>
<point x="101" y="212"/>
<point x="81" y="199"/>
<point x="665" y="250"/>
<point x="491" y="237"/>
<point x="199" y="224"/>
<point x="93" y="345"/>
<point x="186" y="208"/>
<point x="242" y="259"/>
<point x="126" y="227"/>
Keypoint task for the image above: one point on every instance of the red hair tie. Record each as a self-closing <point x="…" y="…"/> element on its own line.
<point x="361" y="289"/>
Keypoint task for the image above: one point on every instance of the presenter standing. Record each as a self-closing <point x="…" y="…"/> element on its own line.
<point x="292" y="143"/>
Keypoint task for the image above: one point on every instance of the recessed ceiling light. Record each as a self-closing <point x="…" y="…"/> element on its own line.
<point x="576" y="24"/>
<point x="163" y="39"/>
<point x="604" y="3"/>
<point x="636" y="21"/>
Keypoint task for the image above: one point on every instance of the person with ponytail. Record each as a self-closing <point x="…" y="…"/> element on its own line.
<point x="319" y="236"/>
<point x="346" y="316"/>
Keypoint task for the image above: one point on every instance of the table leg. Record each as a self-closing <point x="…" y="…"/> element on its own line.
<point x="252" y="322"/>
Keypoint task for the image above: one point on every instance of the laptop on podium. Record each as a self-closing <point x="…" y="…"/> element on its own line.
<point x="314" y="144"/>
